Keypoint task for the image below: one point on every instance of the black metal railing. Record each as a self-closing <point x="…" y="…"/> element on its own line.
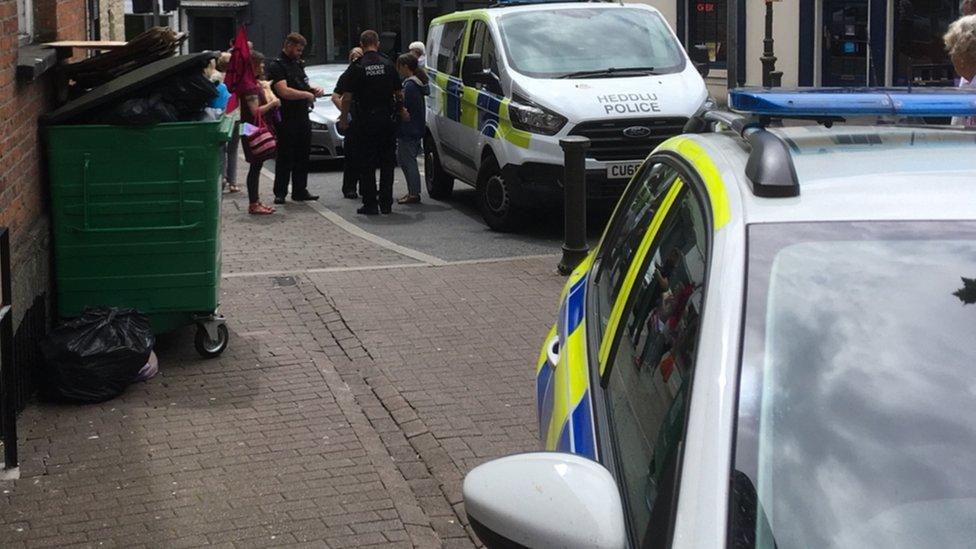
<point x="27" y="350"/>
<point x="8" y="375"/>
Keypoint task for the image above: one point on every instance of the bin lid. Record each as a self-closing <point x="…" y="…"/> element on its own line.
<point x="125" y="86"/>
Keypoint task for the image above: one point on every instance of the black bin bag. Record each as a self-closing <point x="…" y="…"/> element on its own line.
<point x="94" y="357"/>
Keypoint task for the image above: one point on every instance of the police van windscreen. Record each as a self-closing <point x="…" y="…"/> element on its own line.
<point x="590" y="43"/>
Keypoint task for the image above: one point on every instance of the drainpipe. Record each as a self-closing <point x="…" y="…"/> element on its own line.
<point x="421" y="28"/>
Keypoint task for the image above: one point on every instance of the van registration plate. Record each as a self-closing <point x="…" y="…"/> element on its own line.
<point x="622" y="170"/>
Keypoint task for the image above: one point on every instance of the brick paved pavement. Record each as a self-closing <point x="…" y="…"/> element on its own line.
<point x="293" y="239"/>
<point x="452" y="366"/>
<point x="345" y="412"/>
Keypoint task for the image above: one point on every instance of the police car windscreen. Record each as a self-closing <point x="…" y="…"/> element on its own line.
<point x="558" y="43"/>
<point x="857" y="398"/>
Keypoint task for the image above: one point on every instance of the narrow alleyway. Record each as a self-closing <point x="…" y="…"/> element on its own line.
<point x="359" y="386"/>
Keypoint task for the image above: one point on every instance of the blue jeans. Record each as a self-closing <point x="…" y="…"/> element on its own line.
<point x="407" y="150"/>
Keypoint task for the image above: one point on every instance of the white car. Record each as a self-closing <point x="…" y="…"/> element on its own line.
<point x="508" y="82"/>
<point x="773" y="346"/>
<point x="326" y="139"/>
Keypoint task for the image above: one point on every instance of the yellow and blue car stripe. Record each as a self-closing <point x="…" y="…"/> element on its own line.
<point x="563" y="390"/>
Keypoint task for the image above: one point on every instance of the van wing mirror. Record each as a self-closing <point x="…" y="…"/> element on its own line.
<point x="473" y="70"/>
<point x="699" y="56"/>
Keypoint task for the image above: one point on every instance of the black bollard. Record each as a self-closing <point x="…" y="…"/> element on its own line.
<point x="574" y="202"/>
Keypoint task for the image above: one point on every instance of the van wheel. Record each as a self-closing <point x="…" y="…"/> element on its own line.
<point x="495" y="199"/>
<point x="440" y="185"/>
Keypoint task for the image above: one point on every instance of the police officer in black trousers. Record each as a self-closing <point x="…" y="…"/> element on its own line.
<point x="371" y="95"/>
<point x="294" y="131"/>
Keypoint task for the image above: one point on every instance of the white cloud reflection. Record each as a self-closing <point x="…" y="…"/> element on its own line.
<point x="867" y="428"/>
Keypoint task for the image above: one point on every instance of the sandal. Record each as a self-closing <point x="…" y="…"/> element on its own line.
<point x="257" y="208"/>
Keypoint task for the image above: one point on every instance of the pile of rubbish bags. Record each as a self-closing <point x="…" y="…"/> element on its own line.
<point x="94" y="357"/>
<point x="182" y="97"/>
<point x="175" y="89"/>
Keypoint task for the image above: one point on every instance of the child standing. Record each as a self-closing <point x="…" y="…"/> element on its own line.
<point x="413" y="123"/>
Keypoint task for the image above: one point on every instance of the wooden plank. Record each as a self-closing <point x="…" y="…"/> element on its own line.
<point x="86" y="44"/>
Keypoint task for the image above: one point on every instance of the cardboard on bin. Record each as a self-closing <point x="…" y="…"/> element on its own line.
<point x="126" y="86"/>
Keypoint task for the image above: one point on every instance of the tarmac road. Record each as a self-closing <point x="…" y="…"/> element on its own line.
<point x="450" y="230"/>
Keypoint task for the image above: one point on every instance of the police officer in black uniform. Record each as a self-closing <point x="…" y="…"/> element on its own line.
<point x="371" y="95"/>
<point x="294" y="132"/>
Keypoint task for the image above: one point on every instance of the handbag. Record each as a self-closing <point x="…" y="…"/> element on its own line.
<point x="261" y="145"/>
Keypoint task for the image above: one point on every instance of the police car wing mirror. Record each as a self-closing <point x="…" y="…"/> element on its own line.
<point x="473" y="70"/>
<point x="544" y="499"/>
<point x="698" y="53"/>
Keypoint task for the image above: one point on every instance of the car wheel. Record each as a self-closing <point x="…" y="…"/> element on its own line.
<point x="496" y="199"/>
<point x="440" y="185"/>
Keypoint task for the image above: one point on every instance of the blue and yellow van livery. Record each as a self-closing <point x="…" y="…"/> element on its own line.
<point x="486" y="112"/>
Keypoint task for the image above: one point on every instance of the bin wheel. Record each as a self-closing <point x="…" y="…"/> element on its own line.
<point x="210" y="348"/>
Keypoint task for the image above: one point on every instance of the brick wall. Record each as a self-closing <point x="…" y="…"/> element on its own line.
<point x="112" y="19"/>
<point x="23" y="196"/>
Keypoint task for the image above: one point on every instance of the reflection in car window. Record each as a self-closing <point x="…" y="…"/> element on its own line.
<point x="652" y="367"/>
<point x="554" y="43"/>
<point x="478" y="29"/>
<point x="449" y="51"/>
<point x="433" y="46"/>
<point x="633" y="220"/>
<point x="481" y="43"/>
<point x="490" y="55"/>
<point x="856" y="400"/>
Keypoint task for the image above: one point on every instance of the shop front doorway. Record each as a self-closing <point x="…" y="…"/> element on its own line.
<point x="845" y="43"/>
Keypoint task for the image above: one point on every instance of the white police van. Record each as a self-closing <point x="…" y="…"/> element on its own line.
<point x="508" y="82"/>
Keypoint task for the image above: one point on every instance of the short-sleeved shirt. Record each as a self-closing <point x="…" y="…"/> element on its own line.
<point x="292" y="71"/>
<point x="373" y="81"/>
<point x="342" y="84"/>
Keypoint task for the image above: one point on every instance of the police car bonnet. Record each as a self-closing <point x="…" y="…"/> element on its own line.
<point x="634" y="97"/>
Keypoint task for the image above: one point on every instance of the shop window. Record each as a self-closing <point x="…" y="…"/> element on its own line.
<point x="25" y="20"/>
<point x="706" y="26"/>
<point x="920" y="55"/>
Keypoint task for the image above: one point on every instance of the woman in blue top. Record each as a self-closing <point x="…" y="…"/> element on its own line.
<point x="412" y="123"/>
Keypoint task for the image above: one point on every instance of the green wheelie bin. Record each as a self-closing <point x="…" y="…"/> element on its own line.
<point x="136" y="218"/>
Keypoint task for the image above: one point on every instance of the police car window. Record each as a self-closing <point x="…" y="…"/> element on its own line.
<point x="559" y="43"/>
<point x="481" y="43"/>
<point x="478" y="30"/>
<point x="633" y="219"/>
<point x="649" y="380"/>
<point x="433" y="45"/>
<point x="449" y="52"/>
<point x="856" y="389"/>
<point x="489" y="55"/>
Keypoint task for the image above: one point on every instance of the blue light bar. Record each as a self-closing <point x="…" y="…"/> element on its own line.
<point x="830" y="102"/>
